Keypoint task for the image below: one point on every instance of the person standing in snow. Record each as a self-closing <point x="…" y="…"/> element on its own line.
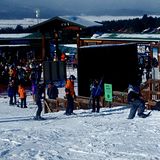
<point x="38" y="97"/>
<point x="136" y="102"/>
<point x="52" y="91"/>
<point x="11" y="91"/>
<point x="96" y="91"/>
<point x="70" y="94"/>
<point x="22" y="95"/>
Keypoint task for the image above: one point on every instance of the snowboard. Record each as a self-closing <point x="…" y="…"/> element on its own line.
<point x="146" y="115"/>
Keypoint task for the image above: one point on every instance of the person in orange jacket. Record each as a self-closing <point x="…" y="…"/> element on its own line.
<point x="22" y="95"/>
<point x="70" y="94"/>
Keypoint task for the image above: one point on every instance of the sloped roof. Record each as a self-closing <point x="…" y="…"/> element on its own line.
<point x="64" y="21"/>
<point x="80" y="21"/>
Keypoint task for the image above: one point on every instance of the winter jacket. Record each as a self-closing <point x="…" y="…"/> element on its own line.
<point x="96" y="90"/>
<point x="11" y="91"/>
<point x="21" y="92"/>
<point x="39" y="92"/>
<point x="52" y="92"/>
<point x="133" y="93"/>
<point x="69" y="88"/>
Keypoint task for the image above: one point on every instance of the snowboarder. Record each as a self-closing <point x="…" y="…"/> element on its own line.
<point x="136" y="102"/>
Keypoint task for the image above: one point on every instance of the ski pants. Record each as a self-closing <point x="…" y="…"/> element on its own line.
<point x="70" y="105"/>
<point x="23" y="102"/>
<point x="11" y="100"/>
<point x="39" y="110"/>
<point x="94" y="105"/>
<point x="137" y="105"/>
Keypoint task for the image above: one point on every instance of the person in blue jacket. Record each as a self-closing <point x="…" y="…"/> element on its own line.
<point x="96" y="91"/>
<point x="11" y="92"/>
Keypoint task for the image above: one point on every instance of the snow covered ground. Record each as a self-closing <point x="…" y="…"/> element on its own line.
<point x="107" y="135"/>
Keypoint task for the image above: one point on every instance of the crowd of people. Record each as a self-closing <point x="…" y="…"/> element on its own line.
<point x="17" y="75"/>
<point x="18" y="79"/>
<point x="23" y="74"/>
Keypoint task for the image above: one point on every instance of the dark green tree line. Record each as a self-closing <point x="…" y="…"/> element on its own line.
<point x="136" y="25"/>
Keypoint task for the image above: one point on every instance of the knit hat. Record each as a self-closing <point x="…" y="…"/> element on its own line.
<point x="72" y="77"/>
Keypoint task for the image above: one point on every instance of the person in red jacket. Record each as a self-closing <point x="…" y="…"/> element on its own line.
<point x="70" y="94"/>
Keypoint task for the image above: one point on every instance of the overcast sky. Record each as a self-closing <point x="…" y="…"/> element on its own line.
<point x="82" y="7"/>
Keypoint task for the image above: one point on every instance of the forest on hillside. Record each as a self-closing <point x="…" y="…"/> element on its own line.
<point x="146" y="24"/>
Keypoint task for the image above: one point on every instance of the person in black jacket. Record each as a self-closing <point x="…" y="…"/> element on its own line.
<point x="38" y="97"/>
<point x="52" y="91"/>
<point x="136" y="102"/>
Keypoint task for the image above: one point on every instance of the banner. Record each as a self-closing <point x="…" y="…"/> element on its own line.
<point x="108" y="92"/>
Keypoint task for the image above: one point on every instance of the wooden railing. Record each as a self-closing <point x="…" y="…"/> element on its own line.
<point x="151" y="92"/>
<point x="81" y="102"/>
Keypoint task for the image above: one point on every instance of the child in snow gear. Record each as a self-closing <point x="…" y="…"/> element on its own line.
<point x="96" y="91"/>
<point x="136" y="102"/>
<point x="70" y="95"/>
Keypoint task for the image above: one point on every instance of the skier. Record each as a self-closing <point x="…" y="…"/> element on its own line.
<point x="96" y="91"/>
<point x="70" y="95"/>
<point x="38" y="97"/>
